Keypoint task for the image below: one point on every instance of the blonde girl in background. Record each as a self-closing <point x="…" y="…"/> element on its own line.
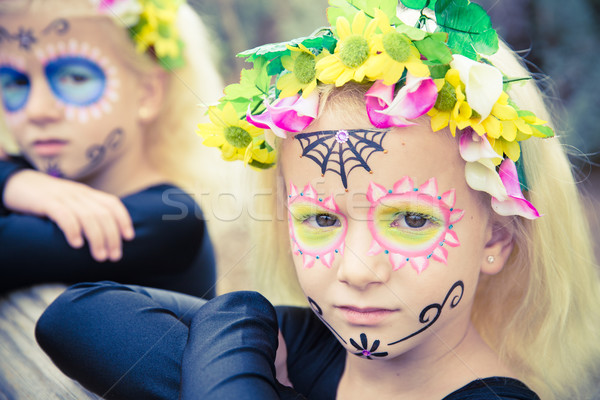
<point x="104" y="96"/>
<point x="430" y="222"/>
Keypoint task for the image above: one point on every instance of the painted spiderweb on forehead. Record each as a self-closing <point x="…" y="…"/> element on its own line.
<point x="341" y="151"/>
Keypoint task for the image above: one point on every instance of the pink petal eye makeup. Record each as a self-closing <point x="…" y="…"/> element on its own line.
<point x="412" y="224"/>
<point x="317" y="229"/>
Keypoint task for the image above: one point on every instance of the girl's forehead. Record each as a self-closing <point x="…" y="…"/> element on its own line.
<point x="35" y="34"/>
<point x="368" y="155"/>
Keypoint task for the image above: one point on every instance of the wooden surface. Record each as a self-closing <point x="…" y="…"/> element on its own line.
<point x="26" y="372"/>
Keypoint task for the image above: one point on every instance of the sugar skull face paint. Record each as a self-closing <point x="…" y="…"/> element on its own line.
<point x="317" y="229"/>
<point x="71" y="94"/>
<point x="412" y="224"/>
<point x="81" y="78"/>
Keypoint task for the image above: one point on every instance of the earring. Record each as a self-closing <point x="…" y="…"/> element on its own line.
<point x="491" y="259"/>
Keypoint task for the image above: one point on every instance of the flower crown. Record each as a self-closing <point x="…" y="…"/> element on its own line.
<point x="151" y="24"/>
<point x="443" y="74"/>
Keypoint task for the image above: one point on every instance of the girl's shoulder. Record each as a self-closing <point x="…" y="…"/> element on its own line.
<point x="494" y="388"/>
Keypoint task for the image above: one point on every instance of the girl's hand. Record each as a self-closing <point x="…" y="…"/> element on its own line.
<point x="78" y="210"/>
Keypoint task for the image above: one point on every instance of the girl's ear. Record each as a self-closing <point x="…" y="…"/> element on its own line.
<point x="153" y="88"/>
<point x="500" y="234"/>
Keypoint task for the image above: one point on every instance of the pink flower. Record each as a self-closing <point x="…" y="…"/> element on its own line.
<point x="515" y="203"/>
<point x="289" y="114"/>
<point x="413" y="100"/>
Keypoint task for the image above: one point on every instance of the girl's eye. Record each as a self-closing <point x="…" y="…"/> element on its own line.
<point x="324" y="220"/>
<point x="76" y="80"/>
<point x="411" y="220"/>
<point x="15" y="87"/>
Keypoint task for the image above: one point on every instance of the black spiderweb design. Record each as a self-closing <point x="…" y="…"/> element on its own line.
<point x="341" y="151"/>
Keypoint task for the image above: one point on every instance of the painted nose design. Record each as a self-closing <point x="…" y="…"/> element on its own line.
<point x="42" y="106"/>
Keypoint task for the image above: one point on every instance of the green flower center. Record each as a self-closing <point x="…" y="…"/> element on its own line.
<point x="237" y="137"/>
<point x="446" y="98"/>
<point x="304" y="68"/>
<point x="354" y="51"/>
<point x="396" y="46"/>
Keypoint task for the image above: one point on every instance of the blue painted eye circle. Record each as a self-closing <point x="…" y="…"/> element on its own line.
<point x="15" y="87"/>
<point x="76" y="81"/>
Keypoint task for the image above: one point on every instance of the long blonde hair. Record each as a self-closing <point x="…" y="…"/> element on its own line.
<point x="541" y="313"/>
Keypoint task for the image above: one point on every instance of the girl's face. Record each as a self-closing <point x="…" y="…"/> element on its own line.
<point x="69" y="100"/>
<point x="388" y="259"/>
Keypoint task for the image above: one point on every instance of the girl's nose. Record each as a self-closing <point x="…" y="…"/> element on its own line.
<point x="360" y="270"/>
<point x="42" y="106"/>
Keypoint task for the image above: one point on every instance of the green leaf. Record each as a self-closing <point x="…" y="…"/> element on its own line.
<point x="253" y="82"/>
<point x="434" y="48"/>
<point x="544" y="130"/>
<point x="410" y="31"/>
<point x="322" y="39"/>
<point x="349" y="8"/>
<point x="468" y="26"/>
<point x="419" y="4"/>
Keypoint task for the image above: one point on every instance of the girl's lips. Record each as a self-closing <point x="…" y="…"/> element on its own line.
<point x="364" y="316"/>
<point x="49" y="147"/>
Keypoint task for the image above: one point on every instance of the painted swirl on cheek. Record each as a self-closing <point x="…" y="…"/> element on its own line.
<point x="96" y="153"/>
<point x="317" y="230"/>
<point x="412" y="224"/>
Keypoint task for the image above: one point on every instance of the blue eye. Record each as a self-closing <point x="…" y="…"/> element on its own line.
<point x="15" y="88"/>
<point x="76" y="81"/>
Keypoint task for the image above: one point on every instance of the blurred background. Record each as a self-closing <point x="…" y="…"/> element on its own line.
<point x="557" y="39"/>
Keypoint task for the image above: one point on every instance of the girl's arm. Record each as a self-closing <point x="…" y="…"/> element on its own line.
<point x="126" y="342"/>
<point x="77" y="209"/>
<point x="171" y="248"/>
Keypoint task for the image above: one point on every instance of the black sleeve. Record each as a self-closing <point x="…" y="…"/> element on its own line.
<point x="131" y="342"/>
<point x="121" y="342"/>
<point x="315" y="359"/>
<point x="171" y="248"/>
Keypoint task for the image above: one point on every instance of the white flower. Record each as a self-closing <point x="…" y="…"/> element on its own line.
<point x="483" y="83"/>
<point x="482" y="176"/>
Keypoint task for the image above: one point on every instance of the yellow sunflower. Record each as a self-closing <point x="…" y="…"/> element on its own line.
<point x="354" y="47"/>
<point x="303" y="75"/>
<point x="226" y="131"/>
<point x="450" y="107"/>
<point x="395" y="52"/>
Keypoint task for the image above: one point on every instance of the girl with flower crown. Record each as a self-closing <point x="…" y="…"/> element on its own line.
<point x="101" y="99"/>
<point x="431" y="221"/>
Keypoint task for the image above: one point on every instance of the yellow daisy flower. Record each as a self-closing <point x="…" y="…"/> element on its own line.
<point x="163" y="45"/>
<point x="395" y="52"/>
<point x="303" y="75"/>
<point x="226" y="131"/>
<point x="260" y="155"/>
<point x="353" y="49"/>
<point x="504" y="127"/>
<point x="450" y="108"/>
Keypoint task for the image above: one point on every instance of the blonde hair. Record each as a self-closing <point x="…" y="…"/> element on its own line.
<point x="541" y="313"/>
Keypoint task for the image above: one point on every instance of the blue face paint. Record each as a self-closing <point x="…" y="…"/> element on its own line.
<point x="15" y="87"/>
<point x="75" y="80"/>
